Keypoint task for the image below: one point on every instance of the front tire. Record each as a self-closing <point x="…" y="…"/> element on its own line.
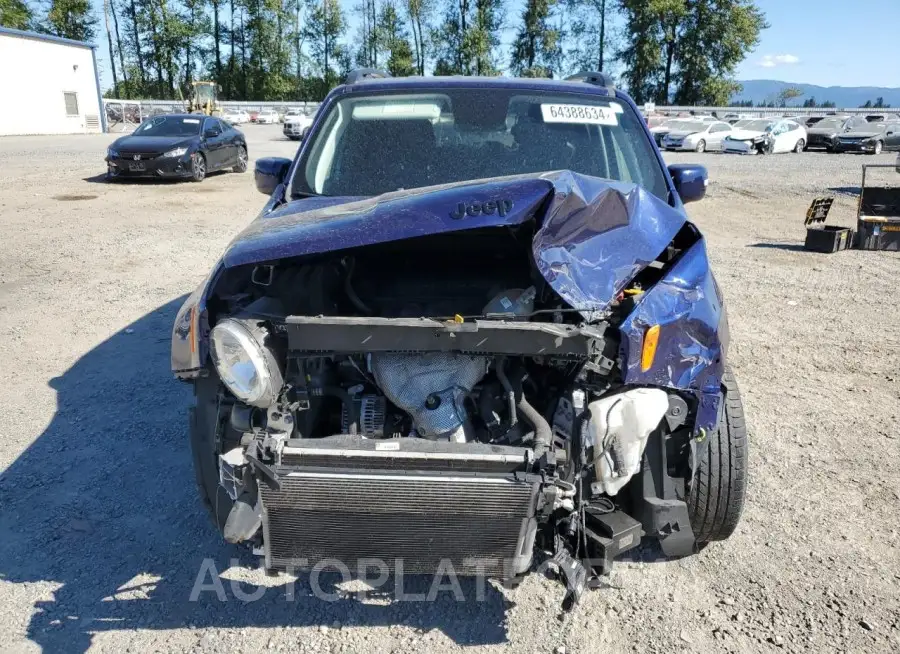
<point x="879" y="147"/>
<point x="701" y="146"/>
<point x="800" y="146"/>
<point x="718" y="489"/>
<point x="241" y="166"/>
<point x="198" y="167"/>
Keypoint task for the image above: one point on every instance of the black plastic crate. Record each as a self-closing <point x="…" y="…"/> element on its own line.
<point x="828" y="238"/>
<point x="821" y="237"/>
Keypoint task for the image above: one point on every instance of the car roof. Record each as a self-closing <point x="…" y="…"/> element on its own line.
<point x="180" y="115"/>
<point x="510" y="83"/>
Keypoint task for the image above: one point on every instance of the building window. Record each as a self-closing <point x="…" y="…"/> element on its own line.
<point x="71" y="103"/>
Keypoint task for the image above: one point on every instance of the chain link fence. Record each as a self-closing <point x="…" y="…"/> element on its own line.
<point x="125" y="115"/>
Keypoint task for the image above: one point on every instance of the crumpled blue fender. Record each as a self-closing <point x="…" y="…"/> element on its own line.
<point x="693" y="338"/>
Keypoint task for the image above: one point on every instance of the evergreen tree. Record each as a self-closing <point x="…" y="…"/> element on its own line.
<point x="536" y="49"/>
<point x="395" y="41"/>
<point x="71" y="19"/>
<point x="15" y="14"/>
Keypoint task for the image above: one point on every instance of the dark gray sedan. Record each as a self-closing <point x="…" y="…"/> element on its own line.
<point x="873" y="138"/>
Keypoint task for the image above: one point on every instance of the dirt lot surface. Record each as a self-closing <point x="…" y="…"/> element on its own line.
<point x="102" y="536"/>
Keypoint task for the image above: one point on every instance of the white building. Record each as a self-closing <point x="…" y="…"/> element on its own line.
<point x="48" y="85"/>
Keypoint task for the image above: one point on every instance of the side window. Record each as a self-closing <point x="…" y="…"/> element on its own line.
<point x="222" y="126"/>
<point x="71" y="100"/>
<point x="720" y="128"/>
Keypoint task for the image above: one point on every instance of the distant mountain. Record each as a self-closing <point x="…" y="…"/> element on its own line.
<point x="767" y="90"/>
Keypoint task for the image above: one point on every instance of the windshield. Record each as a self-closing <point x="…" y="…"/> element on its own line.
<point x="759" y="125"/>
<point x="690" y="127"/>
<point x="831" y="123"/>
<point x="169" y="126"/>
<point x="374" y="144"/>
<point x="204" y="92"/>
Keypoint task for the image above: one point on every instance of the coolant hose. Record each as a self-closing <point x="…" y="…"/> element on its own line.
<point x="542" y="433"/>
<point x="347" y="401"/>
<point x="510" y="393"/>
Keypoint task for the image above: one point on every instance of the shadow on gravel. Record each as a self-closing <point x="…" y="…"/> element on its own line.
<point x="152" y="181"/>
<point x="791" y="247"/>
<point x="845" y="190"/>
<point x="103" y="505"/>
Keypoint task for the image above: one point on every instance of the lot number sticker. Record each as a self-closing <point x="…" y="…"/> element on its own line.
<point x="584" y="114"/>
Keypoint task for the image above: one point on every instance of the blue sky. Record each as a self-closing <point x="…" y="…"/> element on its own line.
<point x="820" y="42"/>
<point x="828" y="43"/>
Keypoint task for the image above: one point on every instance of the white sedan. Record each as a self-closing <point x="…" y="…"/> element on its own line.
<point x="268" y="116"/>
<point x="236" y="116"/>
<point x="697" y="136"/>
<point x="767" y="136"/>
<point x="295" y="124"/>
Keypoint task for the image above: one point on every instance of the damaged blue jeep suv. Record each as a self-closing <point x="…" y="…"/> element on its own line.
<point x="472" y="331"/>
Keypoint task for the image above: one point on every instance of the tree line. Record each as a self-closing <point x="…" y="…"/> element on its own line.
<point x="668" y="51"/>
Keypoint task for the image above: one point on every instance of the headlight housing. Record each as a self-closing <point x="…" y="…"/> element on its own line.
<point x="177" y="152"/>
<point x="245" y="365"/>
<point x="112" y="153"/>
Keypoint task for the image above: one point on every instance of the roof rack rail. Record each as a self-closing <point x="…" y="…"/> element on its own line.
<point x="593" y="77"/>
<point x="360" y="74"/>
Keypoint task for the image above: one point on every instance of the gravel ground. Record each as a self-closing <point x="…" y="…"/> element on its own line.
<point x="102" y="537"/>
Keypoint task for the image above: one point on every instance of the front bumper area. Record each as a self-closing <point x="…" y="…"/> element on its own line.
<point x="681" y="146"/>
<point x="739" y="147"/>
<point x="293" y="129"/>
<point x="861" y="146"/>
<point x="155" y="167"/>
<point x="820" y="141"/>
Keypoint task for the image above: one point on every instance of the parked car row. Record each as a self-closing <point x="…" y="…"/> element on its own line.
<point x="872" y="134"/>
<point x="260" y="116"/>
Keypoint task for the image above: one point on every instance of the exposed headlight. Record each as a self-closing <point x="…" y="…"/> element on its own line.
<point x="245" y="365"/>
<point x="177" y="152"/>
<point x="111" y="153"/>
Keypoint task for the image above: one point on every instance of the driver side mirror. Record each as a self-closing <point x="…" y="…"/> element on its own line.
<point x="269" y="173"/>
<point x="690" y="181"/>
<point x="211" y="133"/>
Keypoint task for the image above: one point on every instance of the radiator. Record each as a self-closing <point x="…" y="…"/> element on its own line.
<point x="415" y="509"/>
